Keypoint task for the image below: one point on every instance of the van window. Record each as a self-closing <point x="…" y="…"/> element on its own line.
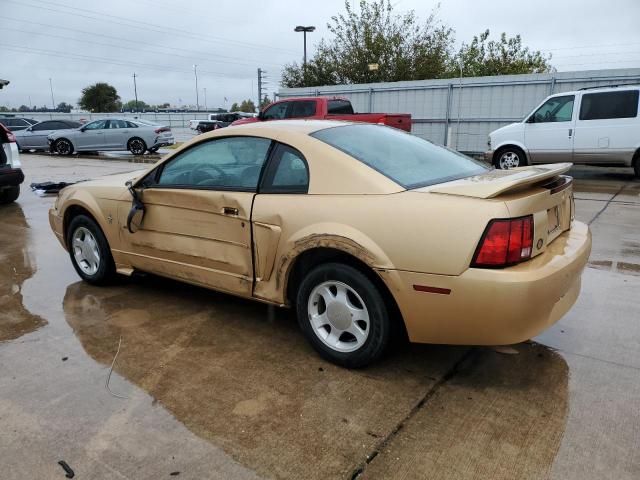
<point x="556" y="109"/>
<point x="600" y="106"/>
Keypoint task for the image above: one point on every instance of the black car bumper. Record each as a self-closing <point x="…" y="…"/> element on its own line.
<point x="10" y="177"/>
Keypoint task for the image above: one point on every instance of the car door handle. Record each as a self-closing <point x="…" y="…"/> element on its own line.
<point x="230" y="210"/>
<point x="570" y="132"/>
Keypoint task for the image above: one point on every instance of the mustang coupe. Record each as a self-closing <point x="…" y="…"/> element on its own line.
<point x="365" y="230"/>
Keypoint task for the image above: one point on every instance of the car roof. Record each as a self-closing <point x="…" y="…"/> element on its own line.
<point x="287" y="126"/>
<point x="311" y="98"/>
<point x="603" y="88"/>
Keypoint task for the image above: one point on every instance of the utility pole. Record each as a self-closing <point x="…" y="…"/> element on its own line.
<point x="261" y="86"/>
<point x="205" y="100"/>
<point x="135" y="90"/>
<point x="53" y="103"/>
<point x="195" y="72"/>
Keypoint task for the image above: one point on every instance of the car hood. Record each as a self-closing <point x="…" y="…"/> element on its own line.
<point x="494" y="182"/>
<point x="508" y="128"/>
<point x="108" y="187"/>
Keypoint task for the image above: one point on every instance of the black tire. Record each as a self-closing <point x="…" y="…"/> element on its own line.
<point x="509" y="150"/>
<point x="153" y="150"/>
<point x="9" y="194"/>
<point x="379" y="328"/>
<point x="136" y="146"/>
<point x="636" y="165"/>
<point x="62" y="146"/>
<point x="106" y="267"/>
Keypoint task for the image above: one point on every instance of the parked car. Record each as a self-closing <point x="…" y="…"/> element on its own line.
<point x="365" y="230"/>
<point x="221" y="119"/>
<point x="111" y="134"/>
<point x="35" y="136"/>
<point x="205" y="126"/>
<point x="15" y="124"/>
<point x="594" y="126"/>
<point x="326" y="108"/>
<point x="11" y="175"/>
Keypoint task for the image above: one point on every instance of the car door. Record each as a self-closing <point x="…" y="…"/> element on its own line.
<point x="117" y="135"/>
<point x="91" y="135"/>
<point x="197" y="221"/>
<point x="548" y="132"/>
<point x="607" y="129"/>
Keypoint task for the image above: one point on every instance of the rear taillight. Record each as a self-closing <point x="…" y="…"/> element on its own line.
<point x="505" y="242"/>
<point x="163" y="129"/>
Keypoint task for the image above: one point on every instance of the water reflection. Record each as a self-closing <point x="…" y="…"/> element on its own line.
<point x="16" y="266"/>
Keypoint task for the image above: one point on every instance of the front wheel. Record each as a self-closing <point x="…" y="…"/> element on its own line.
<point x="63" y="147"/>
<point x="343" y="315"/>
<point x="137" y="146"/>
<point x="509" y="157"/>
<point x="636" y="166"/>
<point x="89" y="251"/>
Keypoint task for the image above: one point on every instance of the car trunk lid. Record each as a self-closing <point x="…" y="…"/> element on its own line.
<point x="541" y="191"/>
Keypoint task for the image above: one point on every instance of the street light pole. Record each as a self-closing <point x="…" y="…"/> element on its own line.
<point x="53" y="103"/>
<point x="135" y="90"/>
<point x="195" y="72"/>
<point x="304" y="30"/>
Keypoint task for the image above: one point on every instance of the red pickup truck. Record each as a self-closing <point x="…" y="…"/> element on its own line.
<point x="326" y="108"/>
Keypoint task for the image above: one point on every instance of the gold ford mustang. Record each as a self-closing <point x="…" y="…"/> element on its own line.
<point x="365" y="230"/>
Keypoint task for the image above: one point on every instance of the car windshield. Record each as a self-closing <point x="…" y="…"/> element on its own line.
<point x="406" y="159"/>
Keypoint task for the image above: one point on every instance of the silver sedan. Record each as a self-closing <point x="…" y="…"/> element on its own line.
<point x="111" y="134"/>
<point x="35" y="136"/>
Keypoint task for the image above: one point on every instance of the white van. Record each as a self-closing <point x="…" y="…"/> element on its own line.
<point x="594" y="126"/>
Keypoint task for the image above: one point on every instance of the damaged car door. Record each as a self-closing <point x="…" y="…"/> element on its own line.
<point x="197" y="214"/>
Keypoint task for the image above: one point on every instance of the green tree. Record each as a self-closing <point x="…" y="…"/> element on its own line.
<point x="3" y="108"/>
<point x="131" y="105"/>
<point x="100" y="97"/>
<point x="235" y="107"/>
<point x="247" y="106"/>
<point x="506" y="56"/>
<point x="265" y="102"/>
<point x="64" y="107"/>
<point x="24" y="108"/>
<point x="403" y="47"/>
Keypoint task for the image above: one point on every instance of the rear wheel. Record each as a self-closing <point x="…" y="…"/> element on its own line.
<point x="63" y="147"/>
<point x="89" y="251"/>
<point x="343" y="315"/>
<point x="509" y="157"/>
<point x="636" y="165"/>
<point x="137" y="146"/>
<point x="9" y="194"/>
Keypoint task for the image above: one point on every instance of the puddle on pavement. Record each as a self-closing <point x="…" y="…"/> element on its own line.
<point x="499" y="417"/>
<point x="247" y="383"/>
<point x="16" y="266"/>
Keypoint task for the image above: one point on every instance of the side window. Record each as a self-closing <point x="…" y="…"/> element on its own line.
<point x="342" y="107"/>
<point x="59" y="126"/>
<point x="287" y="173"/>
<point x="44" y="126"/>
<point x="117" y="124"/>
<point x="599" y="106"/>
<point x="97" y="125"/>
<point x="302" y="109"/>
<point x="556" y="109"/>
<point x="232" y="163"/>
<point x="276" y="112"/>
<point x="130" y="125"/>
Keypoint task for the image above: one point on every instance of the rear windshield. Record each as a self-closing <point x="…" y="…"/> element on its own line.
<point x="406" y="159"/>
<point x="339" y="107"/>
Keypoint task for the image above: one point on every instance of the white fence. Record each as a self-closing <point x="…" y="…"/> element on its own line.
<point x="461" y="112"/>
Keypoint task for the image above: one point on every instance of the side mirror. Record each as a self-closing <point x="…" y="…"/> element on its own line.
<point x="136" y="214"/>
<point x="260" y="115"/>
<point x="29" y="129"/>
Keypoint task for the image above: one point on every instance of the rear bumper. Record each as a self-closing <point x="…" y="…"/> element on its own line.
<point x="163" y="142"/>
<point x="494" y="307"/>
<point x="11" y="177"/>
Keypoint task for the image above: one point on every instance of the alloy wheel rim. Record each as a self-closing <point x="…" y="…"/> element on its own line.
<point x="85" y="251"/>
<point x="63" y="147"/>
<point x="136" y="147"/>
<point x="509" y="160"/>
<point x="338" y="316"/>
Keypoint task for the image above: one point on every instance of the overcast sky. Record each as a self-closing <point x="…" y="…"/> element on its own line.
<point x="77" y="43"/>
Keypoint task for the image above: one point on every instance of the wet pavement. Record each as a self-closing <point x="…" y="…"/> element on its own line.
<point x="209" y="386"/>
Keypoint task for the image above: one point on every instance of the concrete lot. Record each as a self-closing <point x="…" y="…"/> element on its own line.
<point x="216" y="387"/>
